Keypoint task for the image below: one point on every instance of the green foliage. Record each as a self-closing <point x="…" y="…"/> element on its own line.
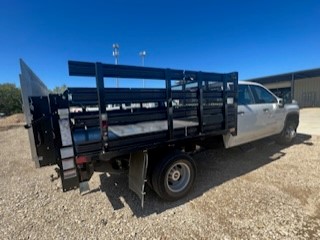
<point x="59" y="89"/>
<point x="10" y="99"/>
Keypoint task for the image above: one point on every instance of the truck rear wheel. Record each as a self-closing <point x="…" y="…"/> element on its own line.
<point x="173" y="177"/>
<point x="288" y="133"/>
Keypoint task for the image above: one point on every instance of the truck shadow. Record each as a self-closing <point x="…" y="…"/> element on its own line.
<point x="214" y="167"/>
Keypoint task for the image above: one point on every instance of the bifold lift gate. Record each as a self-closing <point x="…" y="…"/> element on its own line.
<point x="45" y="114"/>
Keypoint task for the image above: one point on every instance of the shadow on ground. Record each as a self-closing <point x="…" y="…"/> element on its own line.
<point x="214" y="167"/>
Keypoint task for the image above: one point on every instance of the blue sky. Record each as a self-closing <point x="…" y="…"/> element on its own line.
<point x="255" y="38"/>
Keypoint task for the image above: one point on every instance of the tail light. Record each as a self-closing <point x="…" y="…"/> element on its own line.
<point x="82" y="159"/>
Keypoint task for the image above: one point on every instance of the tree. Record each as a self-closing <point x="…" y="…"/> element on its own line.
<point x="59" y="89"/>
<point x="10" y="99"/>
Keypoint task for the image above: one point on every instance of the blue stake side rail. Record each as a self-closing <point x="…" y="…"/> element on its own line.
<point x="192" y="105"/>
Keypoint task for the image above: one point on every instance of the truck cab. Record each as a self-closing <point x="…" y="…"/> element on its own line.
<point x="262" y="114"/>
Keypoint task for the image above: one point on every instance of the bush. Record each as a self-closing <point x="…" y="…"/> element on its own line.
<point x="10" y="99"/>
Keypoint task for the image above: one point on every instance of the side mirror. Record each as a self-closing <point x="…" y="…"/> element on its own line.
<point x="280" y="103"/>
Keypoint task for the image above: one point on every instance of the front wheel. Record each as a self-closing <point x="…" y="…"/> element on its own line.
<point x="288" y="133"/>
<point x="173" y="177"/>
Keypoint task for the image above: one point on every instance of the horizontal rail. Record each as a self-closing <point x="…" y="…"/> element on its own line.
<point x="87" y="69"/>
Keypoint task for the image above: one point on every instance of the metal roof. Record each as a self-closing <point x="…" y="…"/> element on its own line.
<point x="288" y="76"/>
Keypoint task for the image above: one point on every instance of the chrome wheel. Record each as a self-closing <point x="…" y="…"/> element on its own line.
<point x="290" y="133"/>
<point x="178" y="177"/>
<point x="173" y="176"/>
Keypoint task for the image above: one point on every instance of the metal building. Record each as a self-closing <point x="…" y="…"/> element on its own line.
<point x="302" y="86"/>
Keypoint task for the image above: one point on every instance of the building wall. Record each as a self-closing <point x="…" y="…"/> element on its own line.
<point x="307" y="92"/>
<point x="281" y="89"/>
<point x="276" y="85"/>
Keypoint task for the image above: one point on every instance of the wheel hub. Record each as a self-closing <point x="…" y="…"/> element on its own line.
<point x="175" y="175"/>
<point x="291" y="133"/>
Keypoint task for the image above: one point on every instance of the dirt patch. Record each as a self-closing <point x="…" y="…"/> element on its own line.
<point x="15" y="120"/>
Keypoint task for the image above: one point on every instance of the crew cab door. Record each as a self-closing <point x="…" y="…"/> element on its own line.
<point x="268" y="107"/>
<point x="248" y="118"/>
<point x="259" y="115"/>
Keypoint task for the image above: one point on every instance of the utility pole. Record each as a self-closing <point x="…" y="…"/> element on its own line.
<point x="116" y="54"/>
<point x="142" y="54"/>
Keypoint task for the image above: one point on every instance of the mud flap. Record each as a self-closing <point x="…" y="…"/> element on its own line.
<point x="138" y="173"/>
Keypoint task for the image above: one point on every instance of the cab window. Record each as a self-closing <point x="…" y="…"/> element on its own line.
<point x="245" y="97"/>
<point x="261" y="95"/>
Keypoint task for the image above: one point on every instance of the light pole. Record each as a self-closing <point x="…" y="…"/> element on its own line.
<point x="116" y="54"/>
<point x="142" y="54"/>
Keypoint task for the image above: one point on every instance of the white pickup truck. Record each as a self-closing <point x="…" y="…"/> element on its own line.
<point x="262" y="114"/>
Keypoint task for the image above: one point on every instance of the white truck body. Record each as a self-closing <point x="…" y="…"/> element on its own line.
<point x="260" y="114"/>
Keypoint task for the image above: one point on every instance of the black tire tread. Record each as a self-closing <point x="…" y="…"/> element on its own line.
<point x="160" y="170"/>
<point x="281" y="138"/>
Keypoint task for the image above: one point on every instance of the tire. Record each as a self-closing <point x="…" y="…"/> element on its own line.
<point x="288" y="133"/>
<point x="173" y="176"/>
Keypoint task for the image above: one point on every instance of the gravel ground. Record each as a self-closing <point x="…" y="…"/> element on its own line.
<point x="309" y="121"/>
<point x="259" y="191"/>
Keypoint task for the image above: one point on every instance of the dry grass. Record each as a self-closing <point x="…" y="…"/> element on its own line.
<point x="12" y="121"/>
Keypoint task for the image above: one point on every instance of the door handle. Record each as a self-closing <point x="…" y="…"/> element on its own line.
<point x="266" y="110"/>
<point x="241" y="113"/>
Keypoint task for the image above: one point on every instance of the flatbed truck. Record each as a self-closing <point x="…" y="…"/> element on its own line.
<point x="152" y="130"/>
